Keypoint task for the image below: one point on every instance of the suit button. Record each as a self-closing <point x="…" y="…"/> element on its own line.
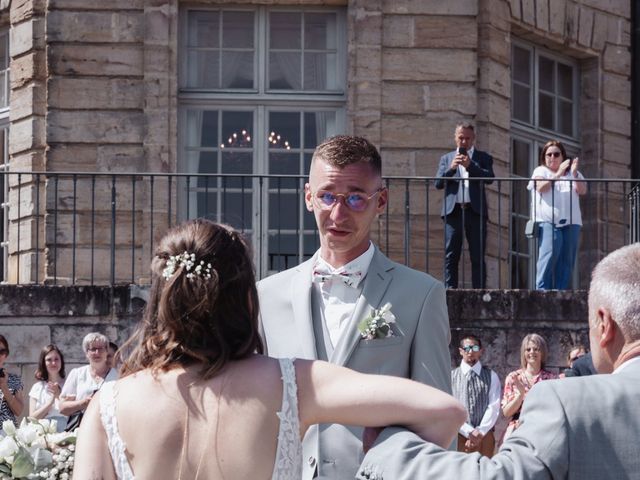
<point x="312" y="461"/>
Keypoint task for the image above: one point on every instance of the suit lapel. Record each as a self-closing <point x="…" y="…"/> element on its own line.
<point x="375" y="285"/>
<point x="301" y="304"/>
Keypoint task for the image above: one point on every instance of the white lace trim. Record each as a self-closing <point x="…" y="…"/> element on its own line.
<point x="117" y="447"/>
<point x="288" y="463"/>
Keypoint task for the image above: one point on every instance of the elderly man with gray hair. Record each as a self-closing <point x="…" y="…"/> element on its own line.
<point x="574" y="428"/>
<point x="83" y="382"/>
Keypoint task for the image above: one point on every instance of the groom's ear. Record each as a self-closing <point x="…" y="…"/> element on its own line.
<point x="307" y="197"/>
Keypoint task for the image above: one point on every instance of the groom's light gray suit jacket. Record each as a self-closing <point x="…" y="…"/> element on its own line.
<point x="582" y="428"/>
<point x="419" y="349"/>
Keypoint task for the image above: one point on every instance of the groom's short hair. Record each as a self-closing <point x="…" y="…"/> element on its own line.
<point x="342" y="150"/>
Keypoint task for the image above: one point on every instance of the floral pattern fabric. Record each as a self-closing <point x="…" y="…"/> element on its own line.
<point x="15" y="383"/>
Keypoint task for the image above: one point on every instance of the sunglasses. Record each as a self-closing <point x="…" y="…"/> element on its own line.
<point x="553" y="154"/>
<point x="355" y="201"/>
<point x="470" y="348"/>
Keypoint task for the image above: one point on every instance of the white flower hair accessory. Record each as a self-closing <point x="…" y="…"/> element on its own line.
<point x="187" y="261"/>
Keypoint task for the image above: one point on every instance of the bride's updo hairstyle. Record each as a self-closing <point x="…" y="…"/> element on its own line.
<point x="203" y="303"/>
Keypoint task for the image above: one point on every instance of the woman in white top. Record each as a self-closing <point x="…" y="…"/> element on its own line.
<point x="83" y="382"/>
<point x="44" y="396"/>
<point x="197" y="402"/>
<point x="556" y="209"/>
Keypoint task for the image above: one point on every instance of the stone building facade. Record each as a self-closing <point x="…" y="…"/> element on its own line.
<point x="163" y="86"/>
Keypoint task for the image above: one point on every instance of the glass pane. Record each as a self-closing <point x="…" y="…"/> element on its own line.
<point x="236" y="129"/>
<point x="283" y="251"/>
<point x="236" y="209"/>
<point x="320" y="71"/>
<point x="207" y="205"/>
<point x="203" y="29"/>
<point x="202" y="128"/>
<point x="317" y="127"/>
<point x="545" y="111"/>
<point x="202" y="162"/>
<point x="519" y="272"/>
<point x="203" y="70"/>
<point x="238" y="30"/>
<point x="284" y="209"/>
<point x="522" y="65"/>
<point x="565" y="117"/>
<point x="320" y="31"/>
<point x="546" y="77"/>
<point x="284" y="164"/>
<point x="285" y="31"/>
<point x="521" y="101"/>
<point x="238" y="70"/>
<point x="565" y="81"/>
<point x="311" y="243"/>
<point x="520" y="161"/>
<point x="284" y="71"/>
<point x="3" y="90"/>
<point x="237" y="162"/>
<point x="284" y="130"/>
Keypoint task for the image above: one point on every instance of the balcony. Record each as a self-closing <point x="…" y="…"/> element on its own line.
<point x="102" y="228"/>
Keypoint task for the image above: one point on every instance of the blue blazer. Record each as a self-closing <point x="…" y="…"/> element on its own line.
<point x="481" y="166"/>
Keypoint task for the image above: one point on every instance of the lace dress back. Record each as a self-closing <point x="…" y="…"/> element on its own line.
<point x="288" y="462"/>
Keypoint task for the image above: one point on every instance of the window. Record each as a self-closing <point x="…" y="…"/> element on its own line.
<point x="544" y="106"/>
<point x="259" y="89"/>
<point x="4" y="151"/>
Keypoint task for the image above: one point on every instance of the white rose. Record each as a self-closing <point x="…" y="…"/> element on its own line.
<point x="9" y="427"/>
<point x="8" y="448"/>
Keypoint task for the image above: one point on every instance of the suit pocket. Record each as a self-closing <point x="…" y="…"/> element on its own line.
<point x="381" y="342"/>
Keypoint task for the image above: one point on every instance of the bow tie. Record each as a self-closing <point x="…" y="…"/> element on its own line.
<point x="350" y="279"/>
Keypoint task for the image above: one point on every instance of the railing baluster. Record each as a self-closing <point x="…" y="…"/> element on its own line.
<point x="55" y="229"/>
<point x="151" y="179"/>
<point x="133" y="228"/>
<point x="112" y="275"/>
<point x="93" y="226"/>
<point x="73" y="242"/>
<point x="19" y="221"/>
<point x="38" y="227"/>
<point x="407" y="222"/>
<point x="427" y="187"/>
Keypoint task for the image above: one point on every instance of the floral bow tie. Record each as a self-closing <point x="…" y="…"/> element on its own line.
<point x="350" y="279"/>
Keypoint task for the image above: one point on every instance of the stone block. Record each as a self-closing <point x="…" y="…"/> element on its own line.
<point x="446" y="32"/>
<point x="430" y="7"/>
<point x="26" y="36"/>
<point x="516" y="9"/>
<point x="27" y="134"/>
<point x="95" y="93"/>
<point x="75" y="158"/>
<point x="614" y="30"/>
<point x="366" y="63"/>
<point x="22" y="10"/>
<point x="157" y="24"/>
<point x="571" y="18"/>
<point x="452" y="97"/>
<point x="111" y="5"/>
<point x="529" y="12"/>
<point x="157" y="60"/>
<point x="427" y="161"/>
<point x="121" y="158"/>
<point x="27" y="68"/>
<point x="615" y="147"/>
<point x="418" y="132"/>
<point x="28" y="161"/>
<point x="95" y="27"/>
<point x="600" y="27"/>
<point x="367" y="95"/>
<point x="494" y="109"/>
<point x="398" y="31"/>
<point x="99" y="60"/>
<point x="495" y="77"/>
<point x="368" y="27"/>
<point x="423" y="65"/>
<point x="397" y="162"/>
<point x="27" y="101"/>
<point x="95" y="126"/>
<point x="542" y="15"/>
<point x="615" y="88"/>
<point x="617" y="60"/>
<point x="616" y="119"/>
<point x="621" y="8"/>
<point x="25" y="342"/>
<point x="495" y="44"/>
<point x="402" y="98"/>
<point x="557" y="11"/>
<point x="585" y="27"/>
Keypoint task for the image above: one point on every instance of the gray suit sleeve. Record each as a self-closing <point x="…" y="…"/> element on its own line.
<point x="430" y="359"/>
<point x="538" y="450"/>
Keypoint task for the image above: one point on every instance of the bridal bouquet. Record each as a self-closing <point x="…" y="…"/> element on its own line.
<point x="35" y="450"/>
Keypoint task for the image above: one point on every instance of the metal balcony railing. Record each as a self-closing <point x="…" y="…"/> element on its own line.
<point x="102" y="228"/>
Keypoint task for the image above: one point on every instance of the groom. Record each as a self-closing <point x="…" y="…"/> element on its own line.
<point x="313" y="311"/>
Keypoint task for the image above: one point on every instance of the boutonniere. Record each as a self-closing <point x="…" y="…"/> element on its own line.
<point x="378" y="323"/>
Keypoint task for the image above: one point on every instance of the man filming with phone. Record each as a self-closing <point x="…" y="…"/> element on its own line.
<point x="464" y="209"/>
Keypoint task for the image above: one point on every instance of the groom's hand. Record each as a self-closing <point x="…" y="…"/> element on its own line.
<point x="369" y="437"/>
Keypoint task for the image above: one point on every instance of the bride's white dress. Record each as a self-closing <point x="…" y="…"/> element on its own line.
<point x="288" y="463"/>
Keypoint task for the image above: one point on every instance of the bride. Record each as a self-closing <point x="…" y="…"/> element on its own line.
<point x="196" y="401"/>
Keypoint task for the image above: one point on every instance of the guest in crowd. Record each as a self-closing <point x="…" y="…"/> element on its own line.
<point x="581" y="367"/>
<point x="11" y="388"/>
<point x="556" y="184"/>
<point x="464" y="209"/>
<point x="478" y="389"/>
<point x="533" y="357"/>
<point x="44" y="396"/>
<point x="575" y="353"/>
<point x="225" y="411"/>
<point x="112" y="349"/>
<point x="83" y="382"/>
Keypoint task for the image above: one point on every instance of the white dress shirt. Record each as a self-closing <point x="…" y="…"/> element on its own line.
<point x="463" y="189"/>
<point x="624" y="365"/>
<point x="338" y="300"/>
<point x="490" y="416"/>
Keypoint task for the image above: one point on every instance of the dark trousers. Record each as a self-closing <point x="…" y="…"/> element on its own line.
<point x="474" y="226"/>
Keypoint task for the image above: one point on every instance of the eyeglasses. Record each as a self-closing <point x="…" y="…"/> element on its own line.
<point x="469" y="348"/>
<point x="553" y="154"/>
<point x="4" y="351"/>
<point x="96" y="349"/>
<point x="355" y="201"/>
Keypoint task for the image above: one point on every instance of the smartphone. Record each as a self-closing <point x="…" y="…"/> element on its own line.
<point x="462" y="150"/>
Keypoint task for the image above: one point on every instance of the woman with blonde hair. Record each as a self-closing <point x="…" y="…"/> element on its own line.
<point x="198" y="401"/>
<point x="533" y="358"/>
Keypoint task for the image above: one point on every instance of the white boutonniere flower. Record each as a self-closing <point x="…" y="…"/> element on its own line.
<point x="378" y="323"/>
